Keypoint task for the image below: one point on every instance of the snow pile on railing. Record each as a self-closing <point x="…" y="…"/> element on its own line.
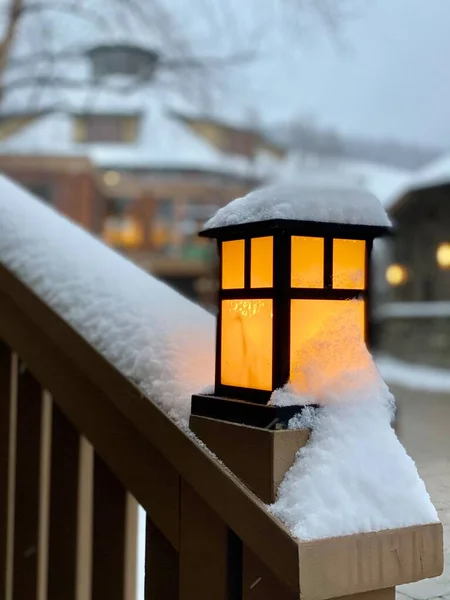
<point x="150" y="333"/>
<point x="354" y="475"/>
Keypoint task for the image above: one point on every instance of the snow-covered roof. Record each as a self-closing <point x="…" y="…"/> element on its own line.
<point x="434" y="174"/>
<point x="381" y="180"/>
<point x="164" y="142"/>
<point x="321" y="203"/>
<point x="52" y="75"/>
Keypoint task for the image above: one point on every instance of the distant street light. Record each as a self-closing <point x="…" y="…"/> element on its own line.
<point x="443" y="255"/>
<point x="396" y="275"/>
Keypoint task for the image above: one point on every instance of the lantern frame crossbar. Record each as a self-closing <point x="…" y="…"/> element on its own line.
<point x="293" y="227"/>
<point x="294" y="294"/>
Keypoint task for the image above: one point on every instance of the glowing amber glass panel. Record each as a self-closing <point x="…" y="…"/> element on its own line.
<point x="261" y="269"/>
<point x="233" y="262"/>
<point x="307" y="255"/>
<point x="349" y="264"/>
<point x="327" y="338"/>
<point x="246" y="351"/>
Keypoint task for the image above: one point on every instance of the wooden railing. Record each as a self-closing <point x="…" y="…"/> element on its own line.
<point x="80" y="446"/>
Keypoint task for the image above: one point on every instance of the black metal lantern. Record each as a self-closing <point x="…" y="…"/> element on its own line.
<point x="279" y="277"/>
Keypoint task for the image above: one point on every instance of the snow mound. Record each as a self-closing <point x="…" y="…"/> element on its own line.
<point x="153" y="335"/>
<point x="304" y="203"/>
<point x="354" y="475"/>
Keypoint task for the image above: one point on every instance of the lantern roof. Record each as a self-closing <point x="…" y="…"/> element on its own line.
<point x="303" y="209"/>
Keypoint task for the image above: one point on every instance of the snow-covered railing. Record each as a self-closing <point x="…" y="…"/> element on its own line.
<point x="80" y="442"/>
<point x="98" y="362"/>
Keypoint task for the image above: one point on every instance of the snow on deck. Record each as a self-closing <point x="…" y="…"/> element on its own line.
<point x="420" y="310"/>
<point x="414" y="377"/>
<point x="333" y="204"/>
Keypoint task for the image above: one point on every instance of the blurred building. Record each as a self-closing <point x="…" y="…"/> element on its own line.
<point x="142" y="172"/>
<point x="415" y="318"/>
<point x="67" y="183"/>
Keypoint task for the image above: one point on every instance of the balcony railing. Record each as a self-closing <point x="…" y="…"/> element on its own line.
<point x="80" y="447"/>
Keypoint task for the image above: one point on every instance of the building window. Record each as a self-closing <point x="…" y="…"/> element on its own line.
<point x="123" y="59"/>
<point x="112" y="129"/>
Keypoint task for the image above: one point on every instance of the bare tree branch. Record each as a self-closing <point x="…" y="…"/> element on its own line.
<point x="14" y="14"/>
<point x="185" y="62"/>
<point x="74" y="9"/>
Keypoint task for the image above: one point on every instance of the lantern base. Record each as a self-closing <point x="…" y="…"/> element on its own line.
<point x="265" y="416"/>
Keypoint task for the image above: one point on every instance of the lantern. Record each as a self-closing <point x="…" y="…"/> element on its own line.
<point x="282" y="281"/>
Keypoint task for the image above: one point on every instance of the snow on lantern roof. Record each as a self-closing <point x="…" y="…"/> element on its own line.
<point x="320" y="204"/>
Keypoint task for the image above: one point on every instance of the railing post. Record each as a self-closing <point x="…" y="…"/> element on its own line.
<point x="64" y="509"/>
<point x="131" y="548"/>
<point x="210" y="558"/>
<point x="85" y="508"/>
<point x="108" y="555"/>
<point x="27" y="492"/>
<point x="259" y="583"/>
<point x="161" y="566"/>
<point x="8" y="408"/>
<point x="44" y="495"/>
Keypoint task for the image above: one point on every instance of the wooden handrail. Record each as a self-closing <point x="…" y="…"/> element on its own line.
<point x="103" y="403"/>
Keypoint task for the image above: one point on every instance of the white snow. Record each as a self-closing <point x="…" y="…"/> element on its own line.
<point x="149" y="332"/>
<point x="354" y="475"/>
<point x="412" y="376"/>
<point x="333" y="204"/>
<point x="414" y="309"/>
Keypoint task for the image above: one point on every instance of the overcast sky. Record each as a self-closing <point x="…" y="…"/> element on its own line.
<point x="393" y="81"/>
